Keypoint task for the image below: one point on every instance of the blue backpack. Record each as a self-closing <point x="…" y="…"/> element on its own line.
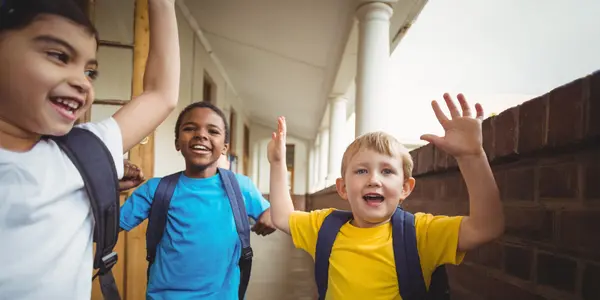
<point x="97" y="168"/>
<point x="408" y="265"/>
<point x="158" y="219"/>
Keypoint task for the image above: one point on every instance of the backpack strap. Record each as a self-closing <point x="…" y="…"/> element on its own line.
<point x="406" y="256"/>
<point x="327" y="234"/>
<point x="242" y="225"/>
<point x="157" y="220"/>
<point x="94" y="162"/>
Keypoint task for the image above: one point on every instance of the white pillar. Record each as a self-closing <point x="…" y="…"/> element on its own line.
<point x="323" y="151"/>
<point x="337" y="137"/>
<point x="373" y="60"/>
<point x="310" y="168"/>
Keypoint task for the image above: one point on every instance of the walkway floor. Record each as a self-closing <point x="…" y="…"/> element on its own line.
<point x="279" y="270"/>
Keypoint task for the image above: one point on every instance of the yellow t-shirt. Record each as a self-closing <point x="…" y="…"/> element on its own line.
<point x="361" y="265"/>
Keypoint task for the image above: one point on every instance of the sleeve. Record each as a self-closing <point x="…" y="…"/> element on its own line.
<point x="304" y="228"/>
<point x="137" y="207"/>
<point x="110" y="133"/>
<point x="437" y="241"/>
<point x="256" y="204"/>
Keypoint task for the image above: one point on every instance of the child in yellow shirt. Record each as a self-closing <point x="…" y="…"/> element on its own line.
<point x="376" y="178"/>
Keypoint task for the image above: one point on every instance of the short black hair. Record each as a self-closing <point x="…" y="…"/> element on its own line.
<point x="17" y="14"/>
<point x="201" y="104"/>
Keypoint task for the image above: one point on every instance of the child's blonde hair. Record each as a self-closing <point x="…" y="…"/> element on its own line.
<point x="382" y="143"/>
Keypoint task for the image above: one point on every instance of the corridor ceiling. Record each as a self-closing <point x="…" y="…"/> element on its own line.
<point x="287" y="57"/>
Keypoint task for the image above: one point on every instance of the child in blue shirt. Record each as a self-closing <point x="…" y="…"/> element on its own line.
<point x="198" y="255"/>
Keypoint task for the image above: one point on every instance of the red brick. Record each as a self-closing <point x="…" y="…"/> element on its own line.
<point x="506" y="132"/>
<point x="565" y="117"/>
<point x="328" y="199"/>
<point x="486" y="287"/>
<point x="579" y="230"/>
<point x="591" y="165"/>
<point x="529" y="223"/>
<point x="454" y="188"/>
<point x="556" y="272"/>
<point x="593" y="109"/>
<point x="590" y="289"/>
<point x="490" y="255"/>
<point x="426" y="159"/>
<point x="558" y="181"/>
<point x="487" y="129"/>
<point x="500" y="177"/>
<point x="415" y="158"/>
<point x="426" y="188"/>
<point x="441" y="160"/>
<point x="533" y="116"/>
<point x="518" y="261"/>
<point x="519" y="184"/>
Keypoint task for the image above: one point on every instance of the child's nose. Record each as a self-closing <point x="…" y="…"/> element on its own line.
<point x="374" y="179"/>
<point x="82" y="84"/>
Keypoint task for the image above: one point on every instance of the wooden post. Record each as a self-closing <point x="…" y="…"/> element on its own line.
<point x="143" y="156"/>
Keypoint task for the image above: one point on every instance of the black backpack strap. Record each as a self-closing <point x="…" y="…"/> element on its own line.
<point x="157" y="220"/>
<point x="406" y="255"/>
<point x="327" y="235"/>
<point x="238" y="206"/>
<point x="94" y="162"/>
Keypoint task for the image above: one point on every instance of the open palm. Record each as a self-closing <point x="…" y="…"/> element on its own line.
<point x="276" y="147"/>
<point x="462" y="131"/>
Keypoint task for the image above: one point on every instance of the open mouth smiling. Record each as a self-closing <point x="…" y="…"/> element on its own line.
<point x="373" y="199"/>
<point x="67" y="106"/>
<point x="201" y="149"/>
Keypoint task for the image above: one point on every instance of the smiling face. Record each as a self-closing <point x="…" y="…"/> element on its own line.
<point x="201" y="140"/>
<point x="46" y="76"/>
<point x="374" y="184"/>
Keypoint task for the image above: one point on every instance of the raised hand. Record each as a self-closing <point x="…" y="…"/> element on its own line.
<point x="463" y="132"/>
<point x="276" y="147"/>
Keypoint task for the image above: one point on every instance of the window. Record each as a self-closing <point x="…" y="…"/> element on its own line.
<point x="208" y="91"/>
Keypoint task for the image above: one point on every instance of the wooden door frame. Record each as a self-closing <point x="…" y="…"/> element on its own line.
<point x="130" y="271"/>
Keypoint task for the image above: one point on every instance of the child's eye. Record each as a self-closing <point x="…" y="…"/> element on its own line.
<point x="387" y="171"/>
<point x="62" y="57"/>
<point x="91" y="74"/>
<point x="360" y="171"/>
<point x="214" y="132"/>
<point x="188" y="128"/>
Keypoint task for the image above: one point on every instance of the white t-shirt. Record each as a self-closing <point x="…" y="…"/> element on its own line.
<point x="46" y="221"/>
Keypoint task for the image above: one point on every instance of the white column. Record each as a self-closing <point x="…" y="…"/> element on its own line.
<point x="323" y="151"/>
<point x="373" y="59"/>
<point x="310" y="168"/>
<point x="337" y="137"/>
<point x="316" y="149"/>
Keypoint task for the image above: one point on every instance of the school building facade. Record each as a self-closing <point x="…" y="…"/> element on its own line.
<point x="323" y="65"/>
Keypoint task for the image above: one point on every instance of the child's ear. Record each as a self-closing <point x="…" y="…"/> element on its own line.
<point x="177" y="145"/>
<point x="407" y="187"/>
<point x="225" y="148"/>
<point x="340" y="185"/>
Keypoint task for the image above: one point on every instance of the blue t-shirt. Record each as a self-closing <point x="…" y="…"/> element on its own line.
<point x="198" y="255"/>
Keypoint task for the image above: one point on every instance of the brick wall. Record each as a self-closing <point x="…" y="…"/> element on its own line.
<point x="545" y="155"/>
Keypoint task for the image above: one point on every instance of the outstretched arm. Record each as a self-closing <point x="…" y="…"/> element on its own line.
<point x="279" y="194"/>
<point x="463" y="140"/>
<point x="143" y="114"/>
